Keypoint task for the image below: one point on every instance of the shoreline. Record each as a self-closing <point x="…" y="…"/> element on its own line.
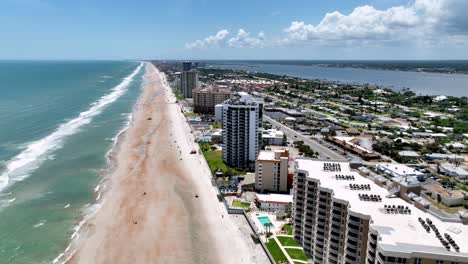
<point x="99" y="190"/>
<point x="355" y="65"/>
<point x="148" y="212"/>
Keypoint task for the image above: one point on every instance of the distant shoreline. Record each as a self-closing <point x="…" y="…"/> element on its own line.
<point x="421" y="83"/>
<point x="355" y="65"/>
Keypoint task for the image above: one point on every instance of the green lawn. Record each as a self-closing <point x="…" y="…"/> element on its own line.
<point x="288" y="241"/>
<point x="296" y="254"/>
<point x="216" y="126"/>
<point x="275" y="251"/>
<point x="289" y="229"/>
<point x="215" y="159"/>
<point x="240" y="204"/>
<point x="178" y="95"/>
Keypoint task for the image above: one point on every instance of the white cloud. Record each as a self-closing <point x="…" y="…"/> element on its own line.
<point x="243" y="39"/>
<point x="210" y="41"/>
<point x="364" y="22"/>
<point x="420" y="19"/>
<point x="419" y="23"/>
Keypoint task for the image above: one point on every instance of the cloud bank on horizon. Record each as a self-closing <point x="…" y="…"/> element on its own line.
<point x="427" y="22"/>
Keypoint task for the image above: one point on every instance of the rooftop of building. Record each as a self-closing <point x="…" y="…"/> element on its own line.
<point x="213" y="89"/>
<point x="249" y="178"/>
<point x="274" y="198"/>
<point x="399" y="169"/>
<point x="397" y="232"/>
<point x="443" y="155"/>
<point x="243" y="98"/>
<point x="351" y="141"/>
<point x="454" y="169"/>
<point x="272" y="133"/>
<point x="409" y="153"/>
<point x="272" y="155"/>
<point x="455" y="144"/>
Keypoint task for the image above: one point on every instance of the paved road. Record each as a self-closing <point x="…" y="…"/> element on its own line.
<point x="323" y="151"/>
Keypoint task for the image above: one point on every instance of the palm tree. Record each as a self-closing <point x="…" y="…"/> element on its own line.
<point x="268" y="228"/>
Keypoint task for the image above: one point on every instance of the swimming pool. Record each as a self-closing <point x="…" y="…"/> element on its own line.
<point x="264" y="220"/>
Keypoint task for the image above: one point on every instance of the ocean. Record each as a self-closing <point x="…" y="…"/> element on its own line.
<point x="58" y="121"/>
<point x="424" y="83"/>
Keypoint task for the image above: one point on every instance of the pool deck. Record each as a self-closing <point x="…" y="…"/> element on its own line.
<point x="276" y="228"/>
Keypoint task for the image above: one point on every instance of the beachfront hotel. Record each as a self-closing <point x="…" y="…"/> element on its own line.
<point x="342" y="217"/>
<point x="271" y="171"/>
<point x="204" y="100"/>
<point x="242" y="121"/>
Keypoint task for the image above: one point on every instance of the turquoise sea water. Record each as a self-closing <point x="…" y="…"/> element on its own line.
<point x="57" y="123"/>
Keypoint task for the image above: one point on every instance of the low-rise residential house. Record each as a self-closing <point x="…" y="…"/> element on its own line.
<point x="353" y="131"/>
<point x="408" y="154"/>
<point x="443" y="195"/>
<point x="456" y="146"/>
<point x="443" y="157"/>
<point x="453" y="171"/>
<point x="352" y="144"/>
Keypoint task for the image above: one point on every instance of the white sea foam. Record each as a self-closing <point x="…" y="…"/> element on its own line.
<point x="40" y="223"/>
<point x="32" y="157"/>
<point x="6" y="202"/>
<point x="90" y="210"/>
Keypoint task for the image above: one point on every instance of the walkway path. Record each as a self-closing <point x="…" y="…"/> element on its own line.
<point x="283" y="250"/>
<point x="299" y="261"/>
<point x="292" y="247"/>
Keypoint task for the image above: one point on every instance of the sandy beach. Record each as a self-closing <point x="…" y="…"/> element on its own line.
<point x="150" y="212"/>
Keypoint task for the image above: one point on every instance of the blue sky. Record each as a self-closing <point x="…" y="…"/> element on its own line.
<point x="254" y="29"/>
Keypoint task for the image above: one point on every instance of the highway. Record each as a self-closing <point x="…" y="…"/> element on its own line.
<point x="294" y="135"/>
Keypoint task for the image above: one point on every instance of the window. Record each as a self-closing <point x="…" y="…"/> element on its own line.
<point x="402" y="260"/>
<point x="439" y="262"/>
<point x="417" y="261"/>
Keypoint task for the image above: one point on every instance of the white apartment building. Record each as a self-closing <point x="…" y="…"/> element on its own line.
<point x="271" y="171"/>
<point x="342" y="217"/>
<point x="242" y="137"/>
